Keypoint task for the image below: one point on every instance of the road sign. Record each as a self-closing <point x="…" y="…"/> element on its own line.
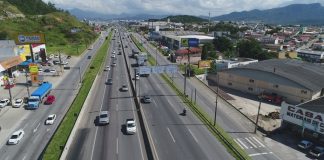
<point x="171" y="69"/>
<point x="145" y="70"/>
<point x="184" y="42"/>
<point x="30" y="38"/>
<point x="193" y="42"/>
<point x="158" y="69"/>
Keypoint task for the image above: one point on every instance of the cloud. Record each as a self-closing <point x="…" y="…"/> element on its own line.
<point x="190" y="7"/>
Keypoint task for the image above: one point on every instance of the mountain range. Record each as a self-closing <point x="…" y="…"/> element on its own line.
<point x="291" y="14"/>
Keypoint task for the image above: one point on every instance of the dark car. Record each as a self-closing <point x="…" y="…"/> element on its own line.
<point x="109" y="81"/>
<point x="89" y="57"/>
<point x="146" y="99"/>
<point x="317" y="152"/>
<point x="50" y="99"/>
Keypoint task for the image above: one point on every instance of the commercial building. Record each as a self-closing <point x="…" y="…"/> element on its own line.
<point x="174" y="41"/>
<point x="306" y="119"/>
<point x="311" y="56"/>
<point x="232" y="63"/>
<point x="296" y="81"/>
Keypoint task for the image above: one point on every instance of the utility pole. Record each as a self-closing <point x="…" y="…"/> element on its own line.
<point x="8" y="83"/>
<point x="60" y="59"/>
<point x="185" y="80"/>
<point x="27" y="84"/>
<point x="208" y="21"/>
<point x="257" y="120"/>
<point x="215" y="116"/>
<point x="80" y="74"/>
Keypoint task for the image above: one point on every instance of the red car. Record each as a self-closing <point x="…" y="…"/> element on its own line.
<point x="50" y="99"/>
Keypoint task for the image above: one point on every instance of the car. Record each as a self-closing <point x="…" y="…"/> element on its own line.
<point x="56" y="56"/>
<point x="17" y="103"/>
<point x="146" y="99"/>
<point x="40" y="70"/>
<point x="124" y="87"/>
<point x="107" y="68"/>
<point x="318" y="151"/>
<point x="136" y="76"/>
<point x="130" y="126"/>
<point x="114" y="52"/>
<point x="16" y="137"/>
<point x="66" y="67"/>
<point x="103" y="118"/>
<point x="89" y="57"/>
<point x="114" y="64"/>
<point x="52" y="71"/>
<point x="47" y="71"/>
<point x="68" y="57"/>
<point x="64" y="63"/>
<point x="109" y="81"/>
<point x="50" y="119"/>
<point x="4" y="103"/>
<point x="113" y="56"/>
<point x="51" y="56"/>
<point x="50" y="99"/>
<point x="304" y="144"/>
<point x="55" y="62"/>
<point x="126" y="46"/>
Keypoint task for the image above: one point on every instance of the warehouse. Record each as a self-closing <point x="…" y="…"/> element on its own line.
<point x="296" y="81"/>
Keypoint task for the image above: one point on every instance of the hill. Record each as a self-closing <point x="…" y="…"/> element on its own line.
<point x="292" y="14"/>
<point x="8" y="10"/>
<point x="56" y="25"/>
<point x="184" y="19"/>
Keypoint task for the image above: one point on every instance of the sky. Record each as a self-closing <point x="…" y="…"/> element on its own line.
<point x="188" y="7"/>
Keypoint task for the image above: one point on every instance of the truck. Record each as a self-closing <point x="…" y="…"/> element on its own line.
<point x="271" y="97"/>
<point x="38" y="95"/>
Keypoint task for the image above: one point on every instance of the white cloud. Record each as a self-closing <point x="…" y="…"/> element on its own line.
<point x="191" y="7"/>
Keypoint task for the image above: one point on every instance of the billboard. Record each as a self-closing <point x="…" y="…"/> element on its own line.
<point x="30" y="38"/>
<point x="305" y="118"/>
<point x="189" y="42"/>
<point x="33" y="68"/>
<point x="204" y="64"/>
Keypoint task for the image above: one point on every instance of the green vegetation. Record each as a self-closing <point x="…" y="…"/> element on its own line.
<point x="33" y="7"/>
<point x="195" y="69"/>
<point x="227" y="27"/>
<point x="151" y="60"/>
<point x="58" y="141"/>
<point x="184" y="19"/>
<point x="252" y="49"/>
<point x="63" y="32"/>
<point x="208" y="52"/>
<point x="273" y="30"/>
<point x="7" y="7"/>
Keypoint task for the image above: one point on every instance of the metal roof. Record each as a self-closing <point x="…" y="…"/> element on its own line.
<point x="316" y="105"/>
<point x="308" y="75"/>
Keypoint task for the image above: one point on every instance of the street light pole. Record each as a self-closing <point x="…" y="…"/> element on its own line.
<point x="80" y="75"/>
<point x="215" y="116"/>
<point x="257" y="120"/>
<point x="27" y="84"/>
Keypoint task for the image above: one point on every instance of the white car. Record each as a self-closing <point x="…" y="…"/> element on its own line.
<point x="107" y="68"/>
<point x="4" y="102"/>
<point x="124" y="88"/>
<point x="40" y="70"/>
<point x="64" y="63"/>
<point x="130" y="126"/>
<point x="52" y="71"/>
<point x="51" y="56"/>
<point x="137" y="77"/>
<point x="17" y="103"/>
<point x="16" y="137"/>
<point x="113" y="56"/>
<point x="114" y="52"/>
<point x="56" y="56"/>
<point x="50" y="119"/>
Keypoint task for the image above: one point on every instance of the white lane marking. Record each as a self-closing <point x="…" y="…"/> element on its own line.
<point x="251" y="143"/>
<point x="193" y="135"/>
<point x="48" y="129"/>
<point x="117" y="146"/>
<point x="242" y="143"/>
<point x="257" y="154"/>
<point x="24" y="157"/>
<point x="95" y="138"/>
<point x="261" y="145"/>
<point x="36" y="128"/>
<point x="171" y="135"/>
<point x="238" y="143"/>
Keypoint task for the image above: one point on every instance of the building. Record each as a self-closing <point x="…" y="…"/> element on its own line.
<point x="296" y="81"/>
<point x="232" y="63"/>
<point x="174" y="41"/>
<point x="310" y="55"/>
<point x="306" y="119"/>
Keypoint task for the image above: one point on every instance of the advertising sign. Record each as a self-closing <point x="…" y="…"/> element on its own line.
<point x="305" y="118"/>
<point x="204" y="64"/>
<point x="33" y="68"/>
<point x="171" y="69"/>
<point x="184" y="42"/>
<point x="14" y="61"/>
<point x="30" y="38"/>
<point x="34" y="78"/>
<point x="193" y="42"/>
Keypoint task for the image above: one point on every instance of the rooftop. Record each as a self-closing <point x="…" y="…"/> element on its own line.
<point x="310" y="51"/>
<point x="308" y="75"/>
<point x="316" y="105"/>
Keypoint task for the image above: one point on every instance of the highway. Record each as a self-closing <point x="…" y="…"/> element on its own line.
<point x="229" y="119"/>
<point x="94" y="142"/>
<point x="37" y="134"/>
<point x="174" y="136"/>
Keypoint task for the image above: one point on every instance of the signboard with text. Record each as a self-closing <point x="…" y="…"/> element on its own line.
<point x="33" y="68"/>
<point x="30" y="38"/>
<point x="189" y="42"/>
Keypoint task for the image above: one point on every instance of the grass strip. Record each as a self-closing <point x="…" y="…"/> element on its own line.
<point x="233" y="148"/>
<point x="59" y="139"/>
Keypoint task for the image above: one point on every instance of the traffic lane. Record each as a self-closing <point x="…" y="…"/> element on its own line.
<point x="172" y="140"/>
<point x="87" y="132"/>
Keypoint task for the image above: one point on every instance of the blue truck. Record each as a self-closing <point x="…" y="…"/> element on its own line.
<point x="38" y="95"/>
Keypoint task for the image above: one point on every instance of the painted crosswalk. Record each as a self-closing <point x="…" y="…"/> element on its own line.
<point x="249" y="142"/>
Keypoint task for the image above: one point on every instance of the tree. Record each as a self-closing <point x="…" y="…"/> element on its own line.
<point x="208" y="52"/>
<point x="223" y="44"/>
<point x="252" y="49"/>
<point x="3" y="35"/>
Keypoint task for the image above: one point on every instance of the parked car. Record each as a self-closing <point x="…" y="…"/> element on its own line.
<point x="56" y="56"/>
<point x="109" y="81"/>
<point x="50" y="119"/>
<point x="4" y="103"/>
<point x="89" y="57"/>
<point x="18" y="103"/>
<point x="50" y="99"/>
<point x="64" y="63"/>
<point x="68" y="57"/>
<point x="137" y="77"/>
<point x="56" y="62"/>
<point x="52" y="70"/>
<point x="16" y="137"/>
<point x="104" y="118"/>
<point x="317" y="152"/>
<point x="107" y="68"/>
<point x="114" y="64"/>
<point x="113" y="56"/>
<point x="124" y="87"/>
<point x="304" y="144"/>
<point x="146" y="99"/>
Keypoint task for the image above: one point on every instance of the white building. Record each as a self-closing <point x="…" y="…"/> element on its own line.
<point x="232" y="63"/>
<point x="310" y="55"/>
